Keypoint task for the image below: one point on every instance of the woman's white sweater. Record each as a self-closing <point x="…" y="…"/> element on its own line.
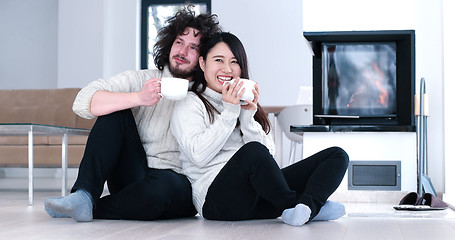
<point x="206" y="147"/>
<point x="152" y="122"/>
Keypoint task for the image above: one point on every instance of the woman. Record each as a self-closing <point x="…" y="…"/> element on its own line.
<point x="226" y="149"/>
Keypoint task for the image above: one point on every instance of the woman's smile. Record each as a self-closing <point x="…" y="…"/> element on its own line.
<point x="223" y="79"/>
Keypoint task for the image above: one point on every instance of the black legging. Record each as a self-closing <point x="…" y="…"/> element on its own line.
<point x="252" y="186"/>
<point x="114" y="153"/>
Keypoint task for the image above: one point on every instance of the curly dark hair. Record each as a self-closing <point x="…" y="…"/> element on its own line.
<point x="176" y="25"/>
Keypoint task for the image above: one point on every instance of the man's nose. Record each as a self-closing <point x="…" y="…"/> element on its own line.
<point x="183" y="51"/>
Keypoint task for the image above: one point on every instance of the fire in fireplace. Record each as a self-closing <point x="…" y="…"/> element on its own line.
<point x="359" y="79"/>
<point x="363" y="77"/>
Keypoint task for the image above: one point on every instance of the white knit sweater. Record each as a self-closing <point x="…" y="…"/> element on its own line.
<point x="205" y="147"/>
<point x="152" y="122"/>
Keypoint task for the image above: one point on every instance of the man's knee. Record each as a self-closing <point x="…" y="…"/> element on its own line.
<point x="167" y="183"/>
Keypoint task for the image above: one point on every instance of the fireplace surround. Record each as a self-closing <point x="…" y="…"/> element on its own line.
<point x="363" y="79"/>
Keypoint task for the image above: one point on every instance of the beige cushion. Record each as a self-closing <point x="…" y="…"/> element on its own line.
<point x="22" y="140"/>
<point x="43" y="156"/>
<point x="41" y="140"/>
<point x="41" y="106"/>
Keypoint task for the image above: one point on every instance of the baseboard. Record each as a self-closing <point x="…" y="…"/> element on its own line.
<point x="359" y="196"/>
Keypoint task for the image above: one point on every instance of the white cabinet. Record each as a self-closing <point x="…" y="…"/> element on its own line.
<point x="370" y="146"/>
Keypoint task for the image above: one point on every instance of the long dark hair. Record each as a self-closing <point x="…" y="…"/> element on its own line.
<point x="200" y="84"/>
<point x="176" y="25"/>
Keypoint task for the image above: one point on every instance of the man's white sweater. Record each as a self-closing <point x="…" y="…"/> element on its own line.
<point x="206" y="147"/>
<point x="152" y="122"/>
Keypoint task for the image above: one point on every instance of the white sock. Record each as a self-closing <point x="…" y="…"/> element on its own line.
<point x="77" y="205"/>
<point x="296" y="216"/>
<point x="330" y="211"/>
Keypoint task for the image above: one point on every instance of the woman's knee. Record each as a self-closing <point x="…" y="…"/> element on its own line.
<point x="254" y="152"/>
<point x="341" y="156"/>
<point x="254" y="146"/>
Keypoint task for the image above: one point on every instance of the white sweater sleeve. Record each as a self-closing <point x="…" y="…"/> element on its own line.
<point x="199" y="139"/>
<point x="252" y="131"/>
<point x="129" y="81"/>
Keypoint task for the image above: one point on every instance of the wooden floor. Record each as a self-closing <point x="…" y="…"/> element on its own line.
<point x="363" y="221"/>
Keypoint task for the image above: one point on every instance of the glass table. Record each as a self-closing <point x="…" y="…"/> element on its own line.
<point x="30" y="130"/>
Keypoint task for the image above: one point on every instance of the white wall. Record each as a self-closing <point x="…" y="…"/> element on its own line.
<point x="346" y="15"/>
<point x="80" y="42"/>
<point x="449" y="86"/>
<point x="121" y="43"/>
<point x="28" y="53"/>
<point x="98" y="38"/>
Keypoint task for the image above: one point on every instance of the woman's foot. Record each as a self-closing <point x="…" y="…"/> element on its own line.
<point x="296" y="216"/>
<point x="330" y="211"/>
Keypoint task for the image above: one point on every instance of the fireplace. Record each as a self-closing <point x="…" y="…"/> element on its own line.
<point x="363" y="78"/>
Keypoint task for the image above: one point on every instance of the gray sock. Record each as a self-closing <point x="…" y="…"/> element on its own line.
<point x="330" y="211"/>
<point x="53" y="213"/>
<point x="77" y="205"/>
<point x="296" y="216"/>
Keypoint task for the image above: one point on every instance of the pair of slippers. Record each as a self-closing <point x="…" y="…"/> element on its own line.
<point x="413" y="202"/>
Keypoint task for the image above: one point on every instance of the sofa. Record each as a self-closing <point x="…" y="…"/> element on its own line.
<point x="41" y="106"/>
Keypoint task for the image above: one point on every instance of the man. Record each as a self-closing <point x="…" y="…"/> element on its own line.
<point x="130" y="146"/>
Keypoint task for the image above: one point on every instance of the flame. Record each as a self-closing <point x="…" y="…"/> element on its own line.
<point x="354" y="96"/>
<point x="375" y="78"/>
<point x="383" y="97"/>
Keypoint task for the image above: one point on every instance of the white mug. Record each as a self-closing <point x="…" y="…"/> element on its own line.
<point x="248" y="85"/>
<point x="174" y="88"/>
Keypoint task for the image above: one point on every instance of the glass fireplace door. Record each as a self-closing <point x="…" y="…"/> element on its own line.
<point x="359" y="79"/>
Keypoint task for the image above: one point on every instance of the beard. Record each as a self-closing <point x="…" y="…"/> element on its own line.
<point x="179" y="72"/>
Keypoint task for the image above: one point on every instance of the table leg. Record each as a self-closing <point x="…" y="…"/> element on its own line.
<point x="64" y="163"/>
<point x="279" y="144"/>
<point x="277" y="137"/>
<point x="30" y="166"/>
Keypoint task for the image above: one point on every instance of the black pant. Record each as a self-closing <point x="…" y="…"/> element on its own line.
<point x="251" y="185"/>
<point x="114" y="153"/>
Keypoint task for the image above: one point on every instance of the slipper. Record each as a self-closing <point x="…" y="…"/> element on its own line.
<point x="412" y="202"/>
<point x="409" y="202"/>
<point x="411" y="198"/>
<point x="432" y="201"/>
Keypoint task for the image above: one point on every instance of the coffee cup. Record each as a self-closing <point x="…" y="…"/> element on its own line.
<point x="248" y="85"/>
<point x="174" y="88"/>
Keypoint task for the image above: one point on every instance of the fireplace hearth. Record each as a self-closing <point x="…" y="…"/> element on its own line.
<point x="363" y="79"/>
